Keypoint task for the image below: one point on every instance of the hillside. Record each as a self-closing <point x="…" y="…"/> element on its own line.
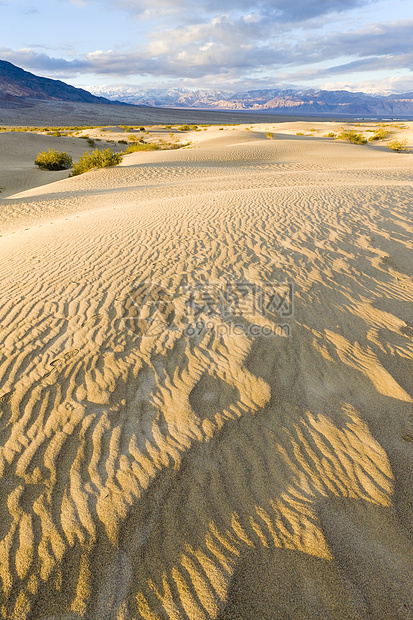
<point x="18" y="86"/>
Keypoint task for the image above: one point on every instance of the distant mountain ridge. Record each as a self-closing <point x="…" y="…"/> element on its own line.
<point x="18" y="86"/>
<point x="285" y="101"/>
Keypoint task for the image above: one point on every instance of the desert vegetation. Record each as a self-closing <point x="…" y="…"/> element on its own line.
<point x="400" y="146"/>
<point x="351" y="135"/>
<point x="53" y="160"/>
<point x="141" y="146"/>
<point x="97" y="159"/>
<point x="379" y="134"/>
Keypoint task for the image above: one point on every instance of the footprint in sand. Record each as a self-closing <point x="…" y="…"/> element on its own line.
<point x="5" y="398"/>
<point x="58" y="363"/>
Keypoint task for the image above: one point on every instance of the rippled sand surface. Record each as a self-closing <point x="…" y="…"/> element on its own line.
<point x="172" y="447"/>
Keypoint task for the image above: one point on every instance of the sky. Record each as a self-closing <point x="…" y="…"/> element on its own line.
<point x="357" y="45"/>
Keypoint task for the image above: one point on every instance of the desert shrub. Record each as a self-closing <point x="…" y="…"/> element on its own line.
<point x="57" y="134"/>
<point x="141" y="128"/>
<point x="400" y="146"/>
<point x="351" y="135"/>
<point x="194" y="127"/>
<point x="122" y="141"/>
<point x="168" y="126"/>
<point x="134" y="148"/>
<point x="379" y="134"/>
<point x="96" y="159"/>
<point x="184" y="128"/>
<point x="91" y="142"/>
<point x="52" y="160"/>
<point x="299" y="133"/>
<point x="269" y="135"/>
<point x="2" y="189"/>
<point x="331" y="134"/>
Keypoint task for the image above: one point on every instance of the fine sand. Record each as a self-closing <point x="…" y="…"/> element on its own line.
<point x="206" y="382"/>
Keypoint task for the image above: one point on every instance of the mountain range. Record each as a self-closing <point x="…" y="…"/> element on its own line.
<point x="19" y="87"/>
<point x="283" y="101"/>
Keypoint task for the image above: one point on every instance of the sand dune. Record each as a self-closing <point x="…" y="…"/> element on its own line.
<point x="242" y="446"/>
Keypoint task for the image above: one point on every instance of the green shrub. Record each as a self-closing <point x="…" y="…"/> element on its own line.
<point x="299" y="133"/>
<point x="400" y="146"/>
<point x="168" y="126"/>
<point x="184" y="128"/>
<point x="97" y="159"/>
<point x="52" y="160"/>
<point x="269" y="135"/>
<point x="351" y="135"/>
<point x="57" y="134"/>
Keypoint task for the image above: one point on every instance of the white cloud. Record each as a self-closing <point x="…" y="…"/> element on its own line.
<point x="227" y="41"/>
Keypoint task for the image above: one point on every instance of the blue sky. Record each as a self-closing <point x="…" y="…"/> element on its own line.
<point x="220" y="44"/>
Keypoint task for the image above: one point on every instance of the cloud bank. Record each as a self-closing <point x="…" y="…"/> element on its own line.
<point x="228" y="43"/>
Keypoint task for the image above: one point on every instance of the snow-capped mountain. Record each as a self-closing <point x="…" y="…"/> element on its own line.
<point x="286" y="101"/>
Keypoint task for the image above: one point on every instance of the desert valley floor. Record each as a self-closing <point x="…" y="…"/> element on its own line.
<point x="255" y="464"/>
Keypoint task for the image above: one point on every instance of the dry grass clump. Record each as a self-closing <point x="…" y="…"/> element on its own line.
<point x="379" y="134"/>
<point x="154" y="146"/>
<point x="139" y="146"/>
<point x="399" y="146"/>
<point x="351" y="135"/>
